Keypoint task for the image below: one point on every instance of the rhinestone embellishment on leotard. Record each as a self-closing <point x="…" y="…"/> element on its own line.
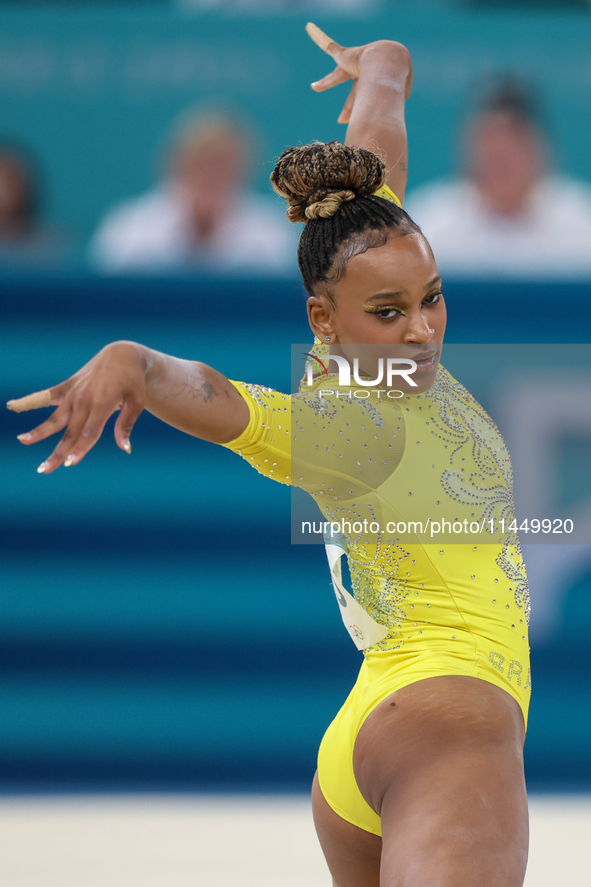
<point x="463" y="422"/>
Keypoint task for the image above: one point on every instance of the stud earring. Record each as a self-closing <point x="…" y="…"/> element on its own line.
<point x="328" y="338"/>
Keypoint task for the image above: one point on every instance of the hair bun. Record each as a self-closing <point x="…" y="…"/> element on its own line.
<point x="317" y="179"/>
<point x="327" y="206"/>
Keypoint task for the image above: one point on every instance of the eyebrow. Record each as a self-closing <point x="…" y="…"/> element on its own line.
<point x="395" y="293"/>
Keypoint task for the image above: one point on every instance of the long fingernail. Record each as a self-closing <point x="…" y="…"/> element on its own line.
<point x="24" y="437"/>
<point x="69" y="461"/>
<point x="127" y="446"/>
<point x="42" y="467"/>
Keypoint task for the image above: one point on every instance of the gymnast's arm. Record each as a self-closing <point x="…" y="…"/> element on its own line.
<point x="129" y="377"/>
<point x="374" y="110"/>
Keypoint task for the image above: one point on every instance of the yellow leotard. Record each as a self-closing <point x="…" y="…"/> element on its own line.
<point x="445" y="607"/>
<point x="450" y="608"/>
<point x="388" y="194"/>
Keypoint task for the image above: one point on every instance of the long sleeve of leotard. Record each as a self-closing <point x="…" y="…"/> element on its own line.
<point x="327" y="445"/>
<point x="266" y="440"/>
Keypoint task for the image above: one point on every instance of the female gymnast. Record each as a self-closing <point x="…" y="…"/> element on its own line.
<point x="420" y="777"/>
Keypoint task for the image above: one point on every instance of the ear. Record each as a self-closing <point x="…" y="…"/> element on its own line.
<point x="320" y="316"/>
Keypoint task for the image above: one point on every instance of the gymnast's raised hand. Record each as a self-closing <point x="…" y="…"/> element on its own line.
<point x="374" y="110"/>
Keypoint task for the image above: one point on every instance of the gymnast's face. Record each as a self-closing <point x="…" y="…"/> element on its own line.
<point x="389" y="295"/>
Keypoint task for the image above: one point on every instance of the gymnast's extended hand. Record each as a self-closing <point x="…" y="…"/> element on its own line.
<point x="374" y="110"/>
<point x="129" y="377"/>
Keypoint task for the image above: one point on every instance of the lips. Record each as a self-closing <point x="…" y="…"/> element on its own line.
<point x="423" y="356"/>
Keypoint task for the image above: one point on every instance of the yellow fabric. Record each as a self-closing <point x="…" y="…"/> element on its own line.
<point x="388" y="194"/>
<point x="449" y="608"/>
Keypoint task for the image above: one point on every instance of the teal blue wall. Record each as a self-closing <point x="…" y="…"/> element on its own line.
<point x="157" y="628"/>
<point x="93" y="89"/>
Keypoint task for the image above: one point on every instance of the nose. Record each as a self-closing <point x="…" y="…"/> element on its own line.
<point x="418" y="329"/>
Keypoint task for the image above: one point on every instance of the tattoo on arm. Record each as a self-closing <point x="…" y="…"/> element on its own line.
<point x="203" y="390"/>
<point x="206" y="391"/>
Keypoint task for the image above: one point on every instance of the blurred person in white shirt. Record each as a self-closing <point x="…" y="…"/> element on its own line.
<point x="510" y="214"/>
<point x="202" y="215"/>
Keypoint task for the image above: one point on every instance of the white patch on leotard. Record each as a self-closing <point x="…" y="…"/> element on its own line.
<point x="363" y="630"/>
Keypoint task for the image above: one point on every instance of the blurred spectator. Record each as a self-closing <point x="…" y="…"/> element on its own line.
<point x="201" y="215"/>
<point x="510" y="215"/>
<point x="22" y="238"/>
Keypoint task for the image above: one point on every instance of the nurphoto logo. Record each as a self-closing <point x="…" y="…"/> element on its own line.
<point x="387" y="369"/>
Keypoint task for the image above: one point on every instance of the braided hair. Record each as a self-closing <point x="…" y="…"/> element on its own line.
<point x="331" y="188"/>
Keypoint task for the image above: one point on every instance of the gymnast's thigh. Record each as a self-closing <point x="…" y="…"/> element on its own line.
<point x="352" y="854"/>
<point x="335" y="776"/>
<point x="442" y="761"/>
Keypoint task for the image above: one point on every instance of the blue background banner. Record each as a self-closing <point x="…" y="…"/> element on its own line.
<point x="147" y="636"/>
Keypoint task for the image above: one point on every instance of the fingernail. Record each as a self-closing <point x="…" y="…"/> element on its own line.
<point x="127" y="446"/>
<point x="69" y="461"/>
<point x="314" y="83"/>
<point x="42" y="468"/>
<point x="24" y="437"/>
